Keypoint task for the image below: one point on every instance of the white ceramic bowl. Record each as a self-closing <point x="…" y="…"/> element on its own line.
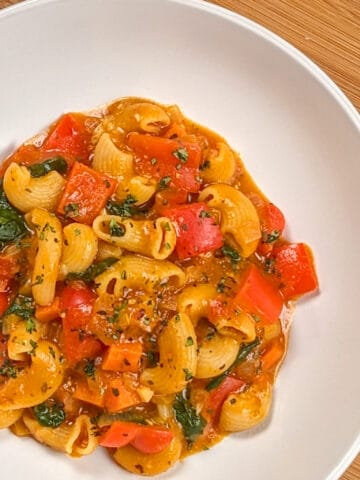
<point x="299" y="137"/>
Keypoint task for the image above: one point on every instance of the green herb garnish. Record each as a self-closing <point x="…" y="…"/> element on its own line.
<point x="126" y="208"/>
<point x="49" y="415"/>
<point x="244" y="351"/>
<point x="116" y="229"/>
<point x="57" y="164"/>
<point x="12" y="223"/>
<point x="192" y="423"/>
<point x="181" y="154"/>
<point x="93" y="271"/>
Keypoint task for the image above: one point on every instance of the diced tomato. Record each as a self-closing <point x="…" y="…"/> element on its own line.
<point x="123" y="357"/>
<point x="85" y="194"/>
<point x="47" y="313"/>
<point x="89" y="395"/>
<point x="294" y="265"/>
<point x="258" y="295"/>
<point x="118" y="396"/>
<point x="77" y="302"/>
<point x="119" y="434"/>
<point x="169" y="198"/>
<point x="196" y="229"/>
<point x="219" y="394"/>
<point x="69" y="137"/>
<point x="152" y="439"/>
<point x="4" y="302"/>
<point x="272" y="224"/>
<point x="173" y="163"/>
<point x="148" y="439"/>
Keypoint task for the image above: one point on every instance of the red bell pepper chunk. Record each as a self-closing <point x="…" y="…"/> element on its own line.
<point x="294" y="265"/>
<point x="85" y="194"/>
<point x="258" y="296"/>
<point x="4" y="302"/>
<point x="77" y="304"/>
<point x="175" y="164"/>
<point x="218" y="396"/>
<point x="147" y="439"/>
<point x="196" y="230"/>
<point x="69" y="137"/>
<point x="272" y="224"/>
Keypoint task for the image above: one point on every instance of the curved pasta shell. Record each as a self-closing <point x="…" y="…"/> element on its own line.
<point x="215" y="355"/>
<point x="9" y="417"/>
<point x="49" y="235"/>
<point x="239" y="220"/>
<point x="20" y="340"/>
<point x="241" y="411"/>
<point x="76" y="439"/>
<point x="80" y="248"/>
<point x="177" y="363"/>
<point x="111" y="160"/>
<point x="144" y="464"/>
<point x="26" y="193"/>
<point x="195" y="301"/>
<point x="140" y="188"/>
<point x="36" y="383"/>
<point x="106" y="250"/>
<point x="135" y="271"/>
<point x="221" y="165"/>
<point x="240" y="326"/>
<point x="153" y="238"/>
<point x="19" y="428"/>
<point x="145" y="116"/>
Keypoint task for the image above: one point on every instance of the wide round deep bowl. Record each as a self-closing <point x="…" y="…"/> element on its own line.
<point x="300" y="139"/>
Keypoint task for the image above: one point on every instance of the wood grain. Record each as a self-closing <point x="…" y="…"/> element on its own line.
<point x="328" y="32"/>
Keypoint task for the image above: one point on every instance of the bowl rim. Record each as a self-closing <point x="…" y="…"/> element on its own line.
<point x="297" y="56"/>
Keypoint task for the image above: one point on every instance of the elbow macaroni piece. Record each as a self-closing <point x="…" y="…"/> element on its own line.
<point x="106" y="250"/>
<point x="177" y="364"/>
<point x="143" y="116"/>
<point x="153" y="238"/>
<point x="76" y="439"/>
<point x="245" y="410"/>
<point x="134" y="271"/>
<point x="9" y="417"/>
<point x="240" y="326"/>
<point x="195" y="301"/>
<point x="239" y="219"/>
<point x="216" y="355"/>
<point x="49" y="234"/>
<point x="36" y="383"/>
<point x="111" y="160"/>
<point x="26" y="193"/>
<point x="80" y="247"/>
<point x="221" y="165"/>
<point x="20" y="340"/>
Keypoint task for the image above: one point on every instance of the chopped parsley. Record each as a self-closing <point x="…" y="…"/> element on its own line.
<point x="233" y="255"/>
<point x="164" y="182"/>
<point x="89" y="369"/>
<point x="204" y="214"/>
<point x="270" y="237"/>
<point x="126" y="208"/>
<point x="71" y="210"/>
<point x="116" y="229"/>
<point x="188" y="374"/>
<point x="8" y="370"/>
<point x="189" y="342"/>
<point x="49" y="415"/>
<point x="117" y="312"/>
<point x="24" y="308"/>
<point x="181" y="154"/>
<point x="205" y="165"/>
<point x="221" y="285"/>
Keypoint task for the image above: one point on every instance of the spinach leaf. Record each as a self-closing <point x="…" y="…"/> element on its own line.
<point x="12" y="223"/>
<point x="93" y="271"/>
<point x="192" y="423"/>
<point x="49" y="415"/>
<point x="244" y="351"/>
<point x="59" y="164"/>
<point x="129" y="416"/>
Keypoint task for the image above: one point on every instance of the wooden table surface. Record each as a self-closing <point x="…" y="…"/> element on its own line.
<point x="328" y="32"/>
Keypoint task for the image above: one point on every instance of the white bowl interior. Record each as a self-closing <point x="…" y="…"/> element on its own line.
<point x="299" y="139"/>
